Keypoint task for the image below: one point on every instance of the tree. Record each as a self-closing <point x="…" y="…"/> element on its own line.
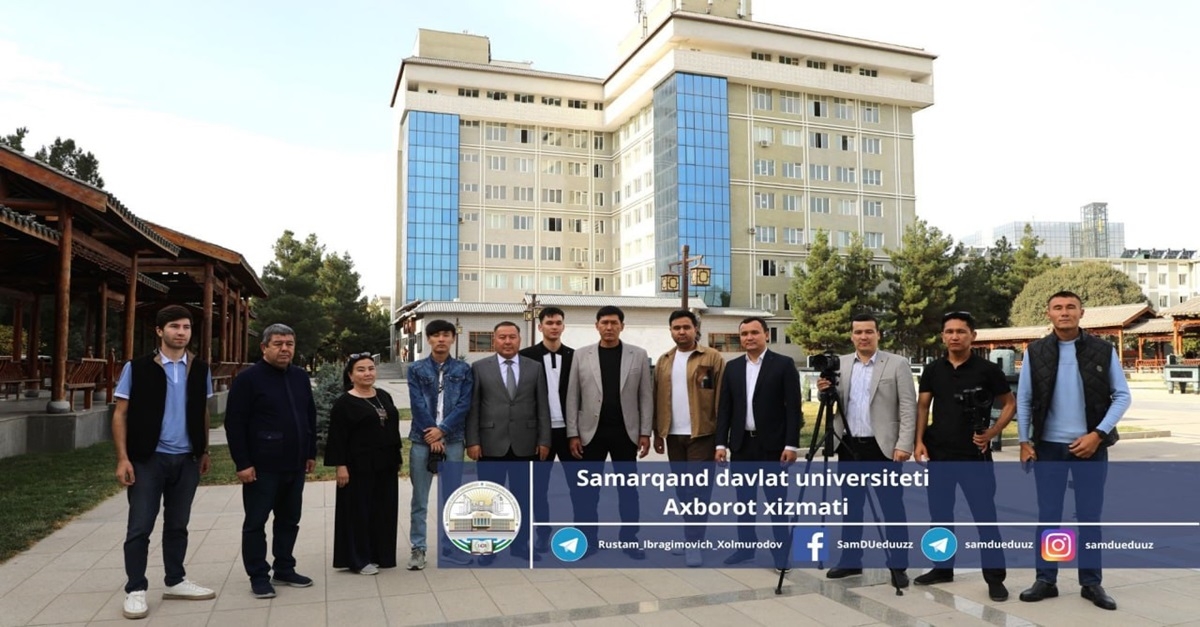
<point x="65" y="156"/>
<point x="1028" y="262"/>
<point x="293" y="286"/>
<point x="985" y="285"/>
<point x="16" y="141"/>
<point x="860" y="278"/>
<point x="922" y="288"/>
<point x="354" y="325"/>
<point x="1097" y="284"/>
<point x="819" y="315"/>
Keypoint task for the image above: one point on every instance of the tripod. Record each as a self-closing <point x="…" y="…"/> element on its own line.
<point x="823" y="432"/>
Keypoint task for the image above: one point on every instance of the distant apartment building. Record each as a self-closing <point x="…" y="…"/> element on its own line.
<point x="1093" y="236"/>
<point x="1167" y="276"/>
<point x="738" y="138"/>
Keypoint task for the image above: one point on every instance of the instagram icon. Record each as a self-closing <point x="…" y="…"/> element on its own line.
<point x="1058" y="545"/>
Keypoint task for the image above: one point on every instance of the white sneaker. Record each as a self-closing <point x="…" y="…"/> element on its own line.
<point x="135" y="604"/>
<point x="694" y="558"/>
<point x="369" y="569"/>
<point x="188" y="591"/>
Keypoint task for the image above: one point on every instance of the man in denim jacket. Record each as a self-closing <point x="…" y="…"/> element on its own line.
<point x="439" y="392"/>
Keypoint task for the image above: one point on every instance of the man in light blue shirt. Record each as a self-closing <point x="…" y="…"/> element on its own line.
<point x="1070" y="396"/>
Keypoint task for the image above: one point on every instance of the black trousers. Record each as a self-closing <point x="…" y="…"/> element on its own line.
<point x="365" y="519"/>
<point x="979" y="488"/>
<point x="560" y="449"/>
<point x="758" y="450"/>
<point x="611" y="441"/>
<point x="891" y="503"/>
<point x="512" y="470"/>
<point x="280" y="494"/>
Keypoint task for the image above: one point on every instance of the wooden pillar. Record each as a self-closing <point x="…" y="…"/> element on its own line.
<point x="62" y="313"/>
<point x="89" y="327"/>
<point x="245" y="332"/>
<point x="18" y="325"/>
<point x="224" y="320"/>
<point x="35" y="340"/>
<point x="206" y="327"/>
<point x="239" y="332"/>
<point x="130" y="308"/>
<point x="102" y="336"/>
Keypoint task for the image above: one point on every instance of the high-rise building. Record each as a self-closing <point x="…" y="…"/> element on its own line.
<point x="737" y="138"/>
<point x="1093" y="236"/>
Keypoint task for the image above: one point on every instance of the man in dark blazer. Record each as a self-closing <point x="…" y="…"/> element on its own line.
<point x="758" y="420"/>
<point x="555" y="358"/>
<point x="509" y="420"/>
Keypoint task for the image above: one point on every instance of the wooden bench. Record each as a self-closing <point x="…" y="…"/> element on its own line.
<point x="13" y="377"/>
<point x="222" y="375"/>
<point x="85" y="375"/>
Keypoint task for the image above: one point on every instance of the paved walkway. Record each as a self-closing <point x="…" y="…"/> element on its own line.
<point x="75" y="577"/>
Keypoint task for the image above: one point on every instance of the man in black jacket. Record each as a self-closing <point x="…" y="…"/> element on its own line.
<point x="160" y="432"/>
<point x="271" y="423"/>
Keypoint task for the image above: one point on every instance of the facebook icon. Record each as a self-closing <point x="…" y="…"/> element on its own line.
<point x="809" y="545"/>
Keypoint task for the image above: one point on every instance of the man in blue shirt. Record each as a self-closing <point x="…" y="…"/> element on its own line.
<point x="439" y="393"/>
<point x="1070" y="396"/>
<point x="160" y="433"/>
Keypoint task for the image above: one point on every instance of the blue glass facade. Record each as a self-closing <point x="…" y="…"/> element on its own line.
<point x="431" y="207"/>
<point x="691" y="177"/>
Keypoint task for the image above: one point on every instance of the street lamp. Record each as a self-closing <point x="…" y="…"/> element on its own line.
<point x="533" y="308"/>
<point x="692" y="270"/>
<point x="457" y="336"/>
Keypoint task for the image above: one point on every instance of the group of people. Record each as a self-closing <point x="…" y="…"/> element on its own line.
<point x="599" y="402"/>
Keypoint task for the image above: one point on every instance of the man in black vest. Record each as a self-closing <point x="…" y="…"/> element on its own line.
<point x="160" y="432"/>
<point x="1070" y="396"/>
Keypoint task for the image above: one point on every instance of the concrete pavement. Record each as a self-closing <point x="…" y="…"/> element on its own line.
<point x="75" y="577"/>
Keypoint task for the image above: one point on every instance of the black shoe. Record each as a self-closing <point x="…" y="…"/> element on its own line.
<point x="1098" y="597"/>
<point x="262" y="589"/>
<point x="739" y="556"/>
<point x="937" y="575"/>
<point x="899" y="578"/>
<point x="542" y="544"/>
<point x="293" y="579"/>
<point x="486" y="560"/>
<point x="635" y="553"/>
<point x="1038" y="591"/>
<point x="839" y="573"/>
<point x="997" y="592"/>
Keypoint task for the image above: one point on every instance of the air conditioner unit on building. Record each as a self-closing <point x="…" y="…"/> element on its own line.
<point x="750" y="231"/>
<point x="763" y="143"/>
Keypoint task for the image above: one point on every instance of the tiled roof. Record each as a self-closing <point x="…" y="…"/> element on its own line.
<point x="446" y="306"/>
<point x="652" y="302"/>
<point x="1152" y="326"/>
<point x="1112" y="316"/>
<point x="1186" y="309"/>
<point x="1006" y="334"/>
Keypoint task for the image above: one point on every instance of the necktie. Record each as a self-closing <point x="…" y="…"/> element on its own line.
<point x="510" y="379"/>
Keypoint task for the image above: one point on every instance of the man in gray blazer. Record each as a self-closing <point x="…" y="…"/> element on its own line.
<point x="509" y="421"/>
<point x="877" y="423"/>
<point x="609" y="414"/>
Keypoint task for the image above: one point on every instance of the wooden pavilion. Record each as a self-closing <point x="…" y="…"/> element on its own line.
<point x="1112" y="321"/>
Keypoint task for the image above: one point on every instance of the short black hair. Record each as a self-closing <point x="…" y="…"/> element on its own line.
<point x="683" y="313"/>
<point x="610" y="310"/>
<point x="434" y="327"/>
<point x="506" y="323"/>
<point x="965" y="316"/>
<point x="865" y="316"/>
<point x="551" y="311"/>
<point x="759" y="319"/>
<point x="1064" y="294"/>
<point x="170" y="314"/>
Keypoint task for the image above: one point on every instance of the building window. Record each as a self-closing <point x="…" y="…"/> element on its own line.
<point x="764" y="134"/>
<point x="844" y="238"/>
<point x="496" y="131"/>
<point x="598" y="285"/>
<point x="597" y="106"/>
<point x="815" y="64"/>
<point x="768" y="302"/>
<point x="1162" y="301"/>
<point x="575" y="168"/>
<point x="577" y="104"/>
<point x="818" y="140"/>
<point x="497" y="163"/>
<point x="724" y="342"/>
<point x="793" y="170"/>
<point x="870" y="112"/>
<point x="551" y="101"/>
<point x="497" y="95"/>
<point x="523" y="282"/>
<point x="494" y="251"/>
<point x="598" y="199"/>
<point x="790" y="102"/>
<point x="793" y="137"/>
<point x="597" y="170"/>
<point x="552" y="282"/>
<point x="767" y="267"/>
<point x="1162" y="278"/>
<point x="793" y="236"/>
<point x="761" y="97"/>
<point x="819" y="106"/>
<point x="845" y="175"/>
<point x="553" y="225"/>
<point x="789" y="60"/>
<point x="843" y="109"/>
<point x="525" y="134"/>
<point x="847" y="207"/>
<point x="552" y="166"/>
<point x="817" y="204"/>
<point x="523" y="194"/>
<point x="494" y="192"/>
<point x="523" y="253"/>
<point x="577" y="225"/>
<point x="760" y="56"/>
<point x="469" y="187"/>
<point x="469" y="157"/>
<point x="873" y="240"/>
<point x="552" y="138"/>
<point x="578" y="139"/>
<point x="551" y="253"/>
<point x="523" y="164"/>
<point x="468" y="216"/>
<point x="468" y="123"/>
<point x="863" y="71"/>
<point x="579" y="197"/>
<point x="872" y="177"/>
<point x="764" y="234"/>
<point x="598" y="141"/>
<point x="764" y="200"/>
<point x="843" y="69"/>
<point x="818" y="172"/>
<point x="495" y="221"/>
<point x="580" y="255"/>
<point x="469" y="247"/>
<point x="468" y="276"/>
<point x="479" y="341"/>
<point x="599" y="255"/>
<point x="764" y="167"/>
<point x="872" y="145"/>
<point x="873" y="208"/>
<point x="526" y="98"/>
<point x="598" y="226"/>
<point x="522" y="223"/>
<point x="791" y="202"/>
<point x="1182" y="279"/>
<point x="468" y="93"/>
<point x="846" y="142"/>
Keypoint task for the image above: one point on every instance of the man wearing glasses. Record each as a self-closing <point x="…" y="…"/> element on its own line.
<point x="961" y="387"/>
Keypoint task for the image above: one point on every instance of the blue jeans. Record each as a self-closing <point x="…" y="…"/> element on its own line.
<point x="170" y="480"/>
<point x="283" y="494"/>
<point x="1087" y="480"/>
<point x="422" y="479"/>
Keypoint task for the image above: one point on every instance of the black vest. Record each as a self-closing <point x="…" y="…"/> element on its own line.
<point x="148" y="399"/>
<point x="1094" y="357"/>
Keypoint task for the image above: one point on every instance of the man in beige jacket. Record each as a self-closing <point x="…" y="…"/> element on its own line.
<point x="687" y="382"/>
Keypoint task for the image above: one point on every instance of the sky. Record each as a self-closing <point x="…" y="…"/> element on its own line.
<point x="233" y="121"/>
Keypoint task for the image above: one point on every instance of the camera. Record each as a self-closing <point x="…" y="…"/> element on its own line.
<point x="976" y="403"/>
<point x="829" y="365"/>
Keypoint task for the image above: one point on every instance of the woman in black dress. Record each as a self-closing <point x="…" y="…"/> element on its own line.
<point x="364" y="445"/>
